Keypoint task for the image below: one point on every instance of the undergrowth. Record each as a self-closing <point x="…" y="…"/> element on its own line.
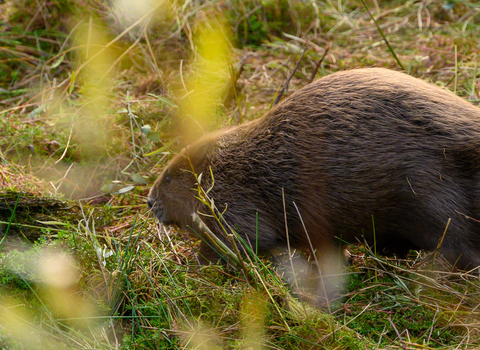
<point x="97" y="96"/>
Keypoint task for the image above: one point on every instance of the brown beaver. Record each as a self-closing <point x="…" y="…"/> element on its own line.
<point x="357" y="152"/>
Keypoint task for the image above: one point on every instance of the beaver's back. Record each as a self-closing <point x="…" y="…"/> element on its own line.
<point x="358" y="147"/>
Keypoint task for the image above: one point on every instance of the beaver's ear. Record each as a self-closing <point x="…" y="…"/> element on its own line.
<point x="198" y="154"/>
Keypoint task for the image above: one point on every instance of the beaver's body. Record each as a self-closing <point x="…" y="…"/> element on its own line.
<point x="355" y="147"/>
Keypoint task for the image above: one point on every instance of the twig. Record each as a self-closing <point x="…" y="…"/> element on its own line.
<point x="285" y="86"/>
<point x="327" y="48"/>
<point x="288" y="240"/>
<point x="68" y="144"/>
<point x="411" y="187"/>
<point x="440" y="242"/>
<point x="398" y="334"/>
<point x="61" y="180"/>
<point x="235" y="73"/>
<point x="219" y="244"/>
<point x="433" y="324"/>
<point x="383" y="36"/>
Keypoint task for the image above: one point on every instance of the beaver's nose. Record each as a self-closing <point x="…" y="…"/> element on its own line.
<point x="150" y="203"/>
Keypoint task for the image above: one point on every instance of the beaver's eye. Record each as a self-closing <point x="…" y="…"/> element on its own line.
<point x="168" y="178"/>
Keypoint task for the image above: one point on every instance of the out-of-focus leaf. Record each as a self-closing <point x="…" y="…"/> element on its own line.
<point x="162" y="149"/>
<point x="58" y="223"/>
<point x="125" y="189"/>
<point x="139" y="179"/>
<point x="57" y="62"/>
<point x="154" y="136"/>
<point x="146" y="129"/>
<point x="35" y="112"/>
<point x="164" y="100"/>
<point x="449" y="4"/>
<point x="72" y="82"/>
<point x="108" y="188"/>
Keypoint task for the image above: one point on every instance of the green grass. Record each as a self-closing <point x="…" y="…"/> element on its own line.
<point x="134" y="285"/>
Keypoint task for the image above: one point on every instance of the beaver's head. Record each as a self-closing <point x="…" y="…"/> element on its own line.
<point x="172" y="197"/>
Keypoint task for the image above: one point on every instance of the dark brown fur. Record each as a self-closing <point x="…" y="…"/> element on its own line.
<point x="351" y="146"/>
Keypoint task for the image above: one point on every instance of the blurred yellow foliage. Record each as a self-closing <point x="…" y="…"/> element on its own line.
<point x="54" y="276"/>
<point x="254" y="310"/>
<point x="94" y="62"/>
<point x="208" y="78"/>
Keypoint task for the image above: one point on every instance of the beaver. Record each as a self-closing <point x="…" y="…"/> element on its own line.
<point x="370" y="155"/>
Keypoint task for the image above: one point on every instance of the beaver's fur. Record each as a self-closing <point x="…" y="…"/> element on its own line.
<point x="355" y="147"/>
